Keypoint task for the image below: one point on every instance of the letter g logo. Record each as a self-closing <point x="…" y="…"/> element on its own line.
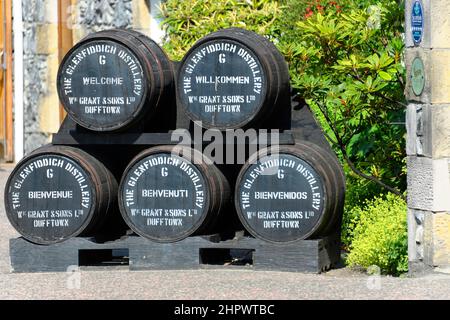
<point x="49" y="173"/>
<point x="280" y="174"/>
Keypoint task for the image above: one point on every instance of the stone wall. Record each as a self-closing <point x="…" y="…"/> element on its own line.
<point x="41" y="52"/>
<point x="428" y="139"/>
<point x="96" y="15"/>
<point x="91" y="16"/>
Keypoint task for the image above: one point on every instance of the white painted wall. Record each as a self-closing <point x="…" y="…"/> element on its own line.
<point x="18" y="81"/>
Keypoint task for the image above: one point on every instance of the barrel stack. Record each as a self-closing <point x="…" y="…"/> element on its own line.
<point x="114" y="165"/>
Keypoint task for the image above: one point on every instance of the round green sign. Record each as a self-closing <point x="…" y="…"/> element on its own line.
<point x="417" y="76"/>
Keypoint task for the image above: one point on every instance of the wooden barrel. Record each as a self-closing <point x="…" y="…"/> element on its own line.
<point x="168" y="193"/>
<point x="59" y="192"/>
<point x="290" y="193"/>
<point x="112" y="79"/>
<point x="232" y="78"/>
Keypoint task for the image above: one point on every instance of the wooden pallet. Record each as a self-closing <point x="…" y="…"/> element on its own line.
<point x="312" y="256"/>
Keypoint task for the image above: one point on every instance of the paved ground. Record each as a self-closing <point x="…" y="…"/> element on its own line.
<point x="205" y="284"/>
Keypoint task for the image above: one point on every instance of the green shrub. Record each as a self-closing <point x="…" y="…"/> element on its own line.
<point x="186" y="21"/>
<point x="346" y="63"/>
<point x="345" y="59"/>
<point x="379" y="233"/>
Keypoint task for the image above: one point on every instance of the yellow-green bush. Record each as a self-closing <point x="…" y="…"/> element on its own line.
<point x="380" y="235"/>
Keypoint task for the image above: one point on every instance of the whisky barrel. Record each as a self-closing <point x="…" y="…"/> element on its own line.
<point x="168" y="193"/>
<point x="59" y="192"/>
<point x="290" y="193"/>
<point x="113" y="79"/>
<point x="232" y="78"/>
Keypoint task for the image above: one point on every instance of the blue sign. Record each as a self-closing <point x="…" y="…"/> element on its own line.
<point x="417" y="22"/>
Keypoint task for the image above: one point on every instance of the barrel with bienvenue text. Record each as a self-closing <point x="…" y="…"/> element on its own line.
<point x="168" y="193"/>
<point x="290" y="193"/>
<point x="113" y="79"/>
<point x="232" y="78"/>
<point x="57" y="193"/>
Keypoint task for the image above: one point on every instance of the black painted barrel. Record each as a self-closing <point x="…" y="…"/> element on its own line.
<point x="168" y="193"/>
<point x="290" y="193"/>
<point x="232" y="78"/>
<point x="112" y="79"/>
<point x="57" y="193"/>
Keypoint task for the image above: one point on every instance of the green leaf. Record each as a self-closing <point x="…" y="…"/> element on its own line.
<point x="385" y="76"/>
<point x="369" y="82"/>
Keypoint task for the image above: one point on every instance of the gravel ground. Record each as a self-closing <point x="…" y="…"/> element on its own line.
<point x="119" y="283"/>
